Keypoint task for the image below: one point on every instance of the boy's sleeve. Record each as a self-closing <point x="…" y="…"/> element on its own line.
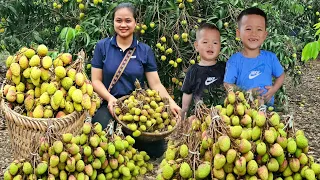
<point x="188" y="82"/>
<point x="231" y="71"/>
<point x="151" y="64"/>
<point x="277" y="69"/>
<point x="97" y="60"/>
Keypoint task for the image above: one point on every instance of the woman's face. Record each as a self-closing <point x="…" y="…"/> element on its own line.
<point x="124" y="22"/>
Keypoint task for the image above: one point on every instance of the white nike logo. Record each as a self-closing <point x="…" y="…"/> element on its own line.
<point x="254" y="74"/>
<point x="210" y="80"/>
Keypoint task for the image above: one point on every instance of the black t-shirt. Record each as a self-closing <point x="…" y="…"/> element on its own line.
<point x="206" y="83"/>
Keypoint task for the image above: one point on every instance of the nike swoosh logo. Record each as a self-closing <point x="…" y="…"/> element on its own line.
<point x="210" y="80"/>
<point x="254" y="75"/>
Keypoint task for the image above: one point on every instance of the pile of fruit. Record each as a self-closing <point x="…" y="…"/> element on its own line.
<point x="93" y="154"/>
<point x="145" y="111"/>
<point x="236" y="141"/>
<point x="40" y="87"/>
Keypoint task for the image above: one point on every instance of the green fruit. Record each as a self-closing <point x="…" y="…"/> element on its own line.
<point x="292" y="147"/>
<point x="203" y="170"/>
<point x="167" y="171"/>
<point x="252" y="167"/>
<point x="185" y="170"/>
<point x="219" y="161"/>
<point x="184" y="151"/>
<point x="302" y="141"/>
<point x="224" y="143"/>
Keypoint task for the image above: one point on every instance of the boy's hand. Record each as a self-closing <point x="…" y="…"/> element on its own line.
<point x="270" y="92"/>
<point x="257" y="91"/>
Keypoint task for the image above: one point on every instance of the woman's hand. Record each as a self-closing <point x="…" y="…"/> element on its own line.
<point x="111" y="103"/>
<point x="175" y="109"/>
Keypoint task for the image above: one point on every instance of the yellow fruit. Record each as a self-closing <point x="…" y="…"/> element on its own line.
<point x="66" y="58"/>
<point x="15" y="69"/>
<point x="29" y="102"/>
<point x="20" y="97"/>
<point x="79" y="79"/>
<point x="42" y="50"/>
<point x="9" y="61"/>
<point x="81" y="6"/>
<point x="23" y="62"/>
<point x="26" y="73"/>
<point x="60" y="72"/>
<point x="16" y="79"/>
<point x="57" y="97"/>
<point x="38" y="112"/>
<point x="77" y="106"/>
<point x="86" y="101"/>
<point x="69" y="107"/>
<point x="29" y="53"/>
<point x="46" y="62"/>
<point x="48" y="113"/>
<point x="66" y="83"/>
<point x="77" y="96"/>
<point x="34" y="61"/>
<point x="57" y="62"/>
<point x="45" y="74"/>
<point x="35" y="73"/>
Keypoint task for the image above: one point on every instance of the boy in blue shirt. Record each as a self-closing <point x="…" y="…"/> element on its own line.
<point x="252" y="68"/>
<point x="204" y="81"/>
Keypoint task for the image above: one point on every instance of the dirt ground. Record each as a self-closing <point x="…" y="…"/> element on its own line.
<point x="305" y="116"/>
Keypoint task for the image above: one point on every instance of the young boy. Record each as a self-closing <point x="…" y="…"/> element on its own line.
<point x="252" y="68"/>
<point x="204" y="81"/>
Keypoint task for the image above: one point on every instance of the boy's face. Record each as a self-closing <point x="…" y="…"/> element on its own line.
<point x="252" y="31"/>
<point x="208" y="44"/>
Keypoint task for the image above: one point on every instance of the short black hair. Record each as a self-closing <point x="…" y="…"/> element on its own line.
<point x="206" y="26"/>
<point x="129" y="6"/>
<point x="250" y="11"/>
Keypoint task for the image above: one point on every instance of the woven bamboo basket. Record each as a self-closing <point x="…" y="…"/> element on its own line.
<point x="146" y="136"/>
<point x="24" y="131"/>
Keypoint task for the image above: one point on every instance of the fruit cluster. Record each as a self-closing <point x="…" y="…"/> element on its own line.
<point x="46" y="88"/>
<point x="92" y="155"/>
<point x="145" y="111"/>
<point x="256" y="144"/>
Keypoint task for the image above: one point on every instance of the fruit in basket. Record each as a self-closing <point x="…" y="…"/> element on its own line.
<point x="41" y="81"/>
<point x="261" y="147"/>
<point x="145" y="111"/>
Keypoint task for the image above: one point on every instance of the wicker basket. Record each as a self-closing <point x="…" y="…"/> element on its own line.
<point x="24" y="130"/>
<point x="146" y="136"/>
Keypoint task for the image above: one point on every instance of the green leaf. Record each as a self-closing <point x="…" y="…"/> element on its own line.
<point x="37" y="37"/>
<point x="112" y="6"/>
<point x="311" y="50"/>
<point x="13" y="10"/>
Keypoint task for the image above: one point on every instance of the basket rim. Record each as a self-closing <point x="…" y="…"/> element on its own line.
<point x="147" y="134"/>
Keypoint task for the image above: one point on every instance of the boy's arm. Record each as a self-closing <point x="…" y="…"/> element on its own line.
<point x="186" y="100"/>
<point x="273" y="89"/>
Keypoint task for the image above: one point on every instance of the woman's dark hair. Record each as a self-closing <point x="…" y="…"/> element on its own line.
<point x="129" y="6"/>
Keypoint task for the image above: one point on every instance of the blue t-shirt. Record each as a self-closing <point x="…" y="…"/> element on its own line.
<point x="108" y="56"/>
<point x="248" y="73"/>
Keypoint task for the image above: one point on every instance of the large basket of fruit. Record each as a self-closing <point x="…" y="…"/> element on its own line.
<point x="40" y="94"/>
<point x="145" y="115"/>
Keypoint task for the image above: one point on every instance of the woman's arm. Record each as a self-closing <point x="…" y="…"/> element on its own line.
<point x="155" y="83"/>
<point x="99" y="87"/>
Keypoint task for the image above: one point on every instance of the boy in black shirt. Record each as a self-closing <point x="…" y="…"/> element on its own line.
<point x="204" y="81"/>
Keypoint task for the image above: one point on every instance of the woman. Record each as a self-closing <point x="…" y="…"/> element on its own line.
<point x="109" y="53"/>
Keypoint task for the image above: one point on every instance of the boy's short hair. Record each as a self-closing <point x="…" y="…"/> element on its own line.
<point x="206" y="26"/>
<point x="252" y="10"/>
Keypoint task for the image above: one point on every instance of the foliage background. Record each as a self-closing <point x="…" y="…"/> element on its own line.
<point x="71" y="25"/>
